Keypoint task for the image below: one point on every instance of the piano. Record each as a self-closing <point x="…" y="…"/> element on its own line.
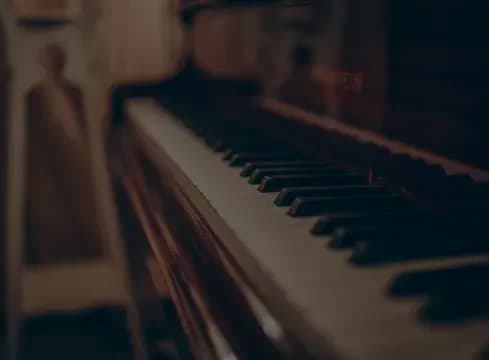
<point x="352" y="230"/>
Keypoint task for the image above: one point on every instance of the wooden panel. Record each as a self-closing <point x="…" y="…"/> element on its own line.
<point x="4" y="89"/>
<point x="47" y="9"/>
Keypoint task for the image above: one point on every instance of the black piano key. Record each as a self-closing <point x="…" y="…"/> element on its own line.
<point x="425" y="176"/>
<point x="288" y="195"/>
<point x="378" y="225"/>
<point x="428" y="281"/>
<point x="215" y="143"/>
<point x="256" y="146"/>
<point x="456" y="180"/>
<point x="471" y="196"/>
<point x="401" y="244"/>
<point x="198" y="129"/>
<point x="326" y="224"/>
<point x="345" y="237"/>
<point x="378" y="156"/>
<point x="368" y="252"/>
<point x="278" y="182"/>
<point x="461" y="302"/>
<point x="451" y="187"/>
<point x="228" y="153"/>
<point x="258" y="175"/>
<point x="249" y="145"/>
<point x="334" y="204"/>
<point x="399" y="217"/>
<point x="239" y="159"/>
<point x="252" y="166"/>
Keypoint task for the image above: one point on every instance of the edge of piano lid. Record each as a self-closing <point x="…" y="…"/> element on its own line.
<point x="326" y="124"/>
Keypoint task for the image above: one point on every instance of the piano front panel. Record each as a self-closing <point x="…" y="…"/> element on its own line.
<point x="208" y="288"/>
<point x="189" y="317"/>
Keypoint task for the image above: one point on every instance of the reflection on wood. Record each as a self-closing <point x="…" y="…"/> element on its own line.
<point x="300" y="88"/>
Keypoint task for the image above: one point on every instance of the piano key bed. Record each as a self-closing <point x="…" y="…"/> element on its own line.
<point x="347" y="268"/>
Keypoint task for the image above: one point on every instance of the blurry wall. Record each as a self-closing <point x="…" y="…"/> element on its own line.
<point x="27" y="43"/>
<point x="225" y="41"/>
<point x="136" y="40"/>
<point x="4" y="86"/>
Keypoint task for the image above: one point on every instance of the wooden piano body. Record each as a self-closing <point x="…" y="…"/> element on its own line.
<point x="378" y="249"/>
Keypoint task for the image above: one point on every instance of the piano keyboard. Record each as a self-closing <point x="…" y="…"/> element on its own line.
<point x="352" y="269"/>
